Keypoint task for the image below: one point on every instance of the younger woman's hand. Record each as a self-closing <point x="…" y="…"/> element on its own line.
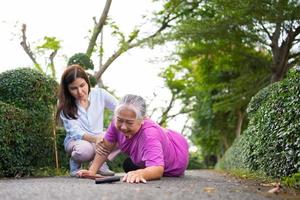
<point x="99" y="139"/>
<point x="134" y="177"/>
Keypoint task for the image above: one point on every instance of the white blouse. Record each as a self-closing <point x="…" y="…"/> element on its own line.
<point x="89" y="120"/>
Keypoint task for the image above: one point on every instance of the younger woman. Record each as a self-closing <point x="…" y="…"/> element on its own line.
<point x="81" y="110"/>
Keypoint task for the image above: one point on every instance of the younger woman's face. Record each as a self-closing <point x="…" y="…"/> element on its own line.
<point x="79" y="89"/>
<point x="127" y="123"/>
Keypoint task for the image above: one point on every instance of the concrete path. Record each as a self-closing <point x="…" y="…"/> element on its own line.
<point x="196" y="184"/>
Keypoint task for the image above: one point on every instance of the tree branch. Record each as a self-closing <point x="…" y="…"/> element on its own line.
<point x="98" y="27"/>
<point x="166" y="111"/>
<point x="265" y="30"/>
<point x="52" y="65"/>
<point x="130" y="45"/>
<point x="27" y="49"/>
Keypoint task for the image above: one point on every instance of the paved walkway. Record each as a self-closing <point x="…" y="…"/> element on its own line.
<point x="195" y="185"/>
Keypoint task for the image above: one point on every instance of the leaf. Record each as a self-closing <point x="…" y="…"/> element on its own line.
<point x="209" y="189"/>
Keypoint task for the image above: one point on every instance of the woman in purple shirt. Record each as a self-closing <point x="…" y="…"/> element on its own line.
<point x="153" y="151"/>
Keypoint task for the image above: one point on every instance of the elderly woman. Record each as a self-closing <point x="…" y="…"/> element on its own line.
<point x="153" y="151"/>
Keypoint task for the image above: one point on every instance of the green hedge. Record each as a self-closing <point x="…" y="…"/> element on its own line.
<point x="271" y="142"/>
<point x="63" y="158"/>
<point x="13" y="123"/>
<point x="28" y="89"/>
<point x="81" y="59"/>
<point x="86" y="63"/>
<point x="26" y="119"/>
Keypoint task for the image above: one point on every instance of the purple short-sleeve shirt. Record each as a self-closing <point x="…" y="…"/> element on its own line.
<point x="153" y="145"/>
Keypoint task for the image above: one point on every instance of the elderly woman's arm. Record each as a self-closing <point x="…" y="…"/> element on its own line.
<point x="103" y="149"/>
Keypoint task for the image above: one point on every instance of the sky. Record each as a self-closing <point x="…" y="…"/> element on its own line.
<point x="135" y="72"/>
<point x="69" y="21"/>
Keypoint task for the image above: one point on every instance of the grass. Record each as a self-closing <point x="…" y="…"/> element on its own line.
<point x="50" y="171"/>
<point x="291" y="183"/>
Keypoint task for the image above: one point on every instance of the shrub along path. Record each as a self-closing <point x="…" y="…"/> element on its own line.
<point x="196" y="184"/>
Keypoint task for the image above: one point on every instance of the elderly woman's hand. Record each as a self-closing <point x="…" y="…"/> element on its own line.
<point x="142" y="175"/>
<point x="88" y="174"/>
<point x="134" y="177"/>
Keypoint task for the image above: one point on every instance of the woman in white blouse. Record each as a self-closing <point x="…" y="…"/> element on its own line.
<point x="81" y="110"/>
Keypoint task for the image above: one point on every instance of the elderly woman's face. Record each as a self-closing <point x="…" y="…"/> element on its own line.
<point x="127" y="123"/>
<point x="79" y="89"/>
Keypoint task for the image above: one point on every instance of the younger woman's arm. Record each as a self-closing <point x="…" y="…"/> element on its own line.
<point x="92" y="138"/>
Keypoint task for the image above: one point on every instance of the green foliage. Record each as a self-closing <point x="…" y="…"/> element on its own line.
<point x="85" y="62"/>
<point x="27" y="89"/>
<point x="271" y="143"/>
<point x="115" y="30"/>
<point x="50" y="43"/>
<point x="224" y="53"/>
<point x="250" y="175"/>
<point x="81" y="59"/>
<point x="292" y="181"/>
<point x="50" y="171"/>
<point x="217" y="83"/>
<point x="216" y="71"/>
<point x="196" y="161"/>
<point x="92" y="79"/>
<point x="50" y="47"/>
<point x="13" y="123"/>
<point x="63" y="158"/>
<point x="117" y="164"/>
<point x="237" y="156"/>
<point x="26" y="119"/>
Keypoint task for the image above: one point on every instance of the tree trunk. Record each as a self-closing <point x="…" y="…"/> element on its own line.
<point x="280" y="62"/>
<point x="239" y="123"/>
<point x="282" y="52"/>
<point x="225" y="142"/>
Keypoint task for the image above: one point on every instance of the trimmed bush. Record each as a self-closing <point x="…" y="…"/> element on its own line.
<point x="26" y="111"/>
<point x="238" y="155"/>
<point x="27" y="89"/>
<point x="86" y="63"/>
<point x="13" y="123"/>
<point x="81" y="59"/>
<point x="63" y="158"/>
<point x="271" y="142"/>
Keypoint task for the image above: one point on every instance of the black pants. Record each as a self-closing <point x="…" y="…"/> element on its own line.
<point x="129" y="166"/>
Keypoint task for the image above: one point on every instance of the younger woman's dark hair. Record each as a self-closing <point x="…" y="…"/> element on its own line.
<point x="66" y="102"/>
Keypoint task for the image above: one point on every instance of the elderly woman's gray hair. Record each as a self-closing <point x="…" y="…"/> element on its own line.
<point x="135" y="103"/>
